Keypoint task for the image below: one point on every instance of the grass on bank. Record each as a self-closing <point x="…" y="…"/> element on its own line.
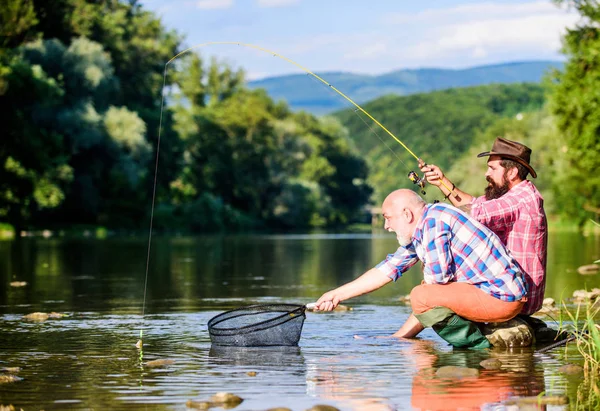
<point x="581" y="322"/>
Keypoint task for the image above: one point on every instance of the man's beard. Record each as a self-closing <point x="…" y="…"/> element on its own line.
<point x="494" y="191"/>
<point x="403" y="241"/>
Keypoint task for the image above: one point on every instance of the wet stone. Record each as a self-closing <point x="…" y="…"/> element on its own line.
<point x="226" y="400"/>
<point x="198" y="405"/>
<point x="589" y="269"/>
<point x="320" y="407"/>
<point x="159" y="363"/>
<point x="582" y="295"/>
<point x="570" y="369"/>
<point x="549" y="302"/>
<point x="279" y="409"/>
<point x="11" y="370"/>
<point x="510" y="334"/>
<point x="9" y="408"/>
<point x="38" y="316"/>
<point x="7" y="379"/>
<point x="491" y="364"/>
<point x="452" y="371"/>
<point x="251" y="373"/>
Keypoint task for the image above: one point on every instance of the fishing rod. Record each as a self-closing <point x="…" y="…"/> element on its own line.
<point x="412" y="175"/>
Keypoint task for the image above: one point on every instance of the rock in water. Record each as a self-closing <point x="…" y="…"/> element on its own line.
<point x="159" y="363"/>
<point x="491" y="364"/>
<point x="510" y="334"/>
<point x="226" y="400"/>
<point x="452" y="371"/>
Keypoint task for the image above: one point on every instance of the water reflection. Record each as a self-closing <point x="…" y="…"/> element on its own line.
<point x="88" y="359"/>
<point x="290" y="358"/>
<point x="521" y="375"/>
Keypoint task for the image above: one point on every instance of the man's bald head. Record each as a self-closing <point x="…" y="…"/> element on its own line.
<point x="404" y="198"/>
<point x="401" y="211"/>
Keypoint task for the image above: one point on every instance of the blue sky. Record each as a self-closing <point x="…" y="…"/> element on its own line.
<point x="368" y="37"/>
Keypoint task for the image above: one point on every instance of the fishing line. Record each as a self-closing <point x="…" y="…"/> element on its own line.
<point x="357" y="112"/>
<point x="307" y="71"/>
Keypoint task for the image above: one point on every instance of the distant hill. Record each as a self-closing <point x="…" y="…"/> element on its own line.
<point x="438" y="127"/>
<point x="304" y="92"/>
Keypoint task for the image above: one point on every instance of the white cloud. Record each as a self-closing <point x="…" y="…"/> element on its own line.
<point x="369" y="51"/>
<point x="482" y="38"/>
<point x="214" y="4"/>
<point x="476" y="11"/>
<point x="277" y="3"/>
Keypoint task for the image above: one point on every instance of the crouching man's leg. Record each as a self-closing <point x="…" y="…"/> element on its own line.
<point x="450" y="309"/>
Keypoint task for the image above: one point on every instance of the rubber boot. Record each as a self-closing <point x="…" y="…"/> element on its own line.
<point x="454" y="329"/>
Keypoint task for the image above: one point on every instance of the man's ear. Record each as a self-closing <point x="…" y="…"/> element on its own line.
<point x="408" y="215"/>
<point x="512" y="174"/>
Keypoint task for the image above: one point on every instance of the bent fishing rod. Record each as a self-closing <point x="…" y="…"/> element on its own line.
<point x="412" y="175"/>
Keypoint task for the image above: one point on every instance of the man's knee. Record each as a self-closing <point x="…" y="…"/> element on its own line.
<point x="418" y="299"/>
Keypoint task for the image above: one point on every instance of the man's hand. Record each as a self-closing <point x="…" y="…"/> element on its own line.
<point x="328" y="301"/>
<point x="432" y="173"/>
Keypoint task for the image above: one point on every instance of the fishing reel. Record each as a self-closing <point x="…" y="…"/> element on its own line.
<point x="420" y="181"/>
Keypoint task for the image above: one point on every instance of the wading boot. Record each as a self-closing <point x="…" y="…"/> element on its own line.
<point x="454" y="329"/>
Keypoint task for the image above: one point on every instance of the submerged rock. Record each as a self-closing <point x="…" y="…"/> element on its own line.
<point x="279" y="409"/>
<point x="199" y="405"/>
<point x="7" y="379"/>
<point x="159" y="363"/>
<point x="491" y="364"/>
<point x="18" y="283"/>
<point x="251" y="373"/>
<point x="226" y="400"/>
<point x="509" y="334"/>
<point x="320" y="407"/>
<point x="38" y="316"/>
<point x="570" y="369"/>
<point x="452" y="371"/>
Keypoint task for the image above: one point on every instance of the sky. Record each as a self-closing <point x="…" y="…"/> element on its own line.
<point x="367" y="37"/>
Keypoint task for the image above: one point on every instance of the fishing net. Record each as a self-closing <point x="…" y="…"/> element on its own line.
<point x="258" y="326"/>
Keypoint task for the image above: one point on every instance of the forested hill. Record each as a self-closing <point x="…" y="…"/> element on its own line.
<point x="303" y="92"/>
<point x="438" y="127"/>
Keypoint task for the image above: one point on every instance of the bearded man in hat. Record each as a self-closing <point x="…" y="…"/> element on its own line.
<point x="511" y="207"/>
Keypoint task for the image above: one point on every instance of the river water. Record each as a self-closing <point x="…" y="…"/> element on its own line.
<point x="87" y="359"/>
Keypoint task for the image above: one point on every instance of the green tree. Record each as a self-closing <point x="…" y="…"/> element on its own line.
<point x="575" y="101"/>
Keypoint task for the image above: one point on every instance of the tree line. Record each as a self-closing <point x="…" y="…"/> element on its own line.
<point x="81" y="85"/>
<point x="80" y="88"/>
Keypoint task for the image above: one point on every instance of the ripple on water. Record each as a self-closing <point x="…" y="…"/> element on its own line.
<point x="90" y="360"/>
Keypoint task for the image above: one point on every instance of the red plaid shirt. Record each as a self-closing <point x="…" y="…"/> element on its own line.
<point x="518" y="218"/>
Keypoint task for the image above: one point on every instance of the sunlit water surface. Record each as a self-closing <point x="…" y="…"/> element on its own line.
<point x="88" y="359"/>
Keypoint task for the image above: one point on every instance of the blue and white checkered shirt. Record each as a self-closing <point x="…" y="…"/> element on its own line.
<point x="455" y="247"/>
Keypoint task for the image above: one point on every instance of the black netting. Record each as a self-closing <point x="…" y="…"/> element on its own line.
<point x="258" y="326"/>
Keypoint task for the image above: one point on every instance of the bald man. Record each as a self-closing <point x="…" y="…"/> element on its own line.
<point x="467" y="271"/>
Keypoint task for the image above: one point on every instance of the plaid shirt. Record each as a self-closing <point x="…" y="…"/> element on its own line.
<point x="519" y="220"/>
<point x="455" y="247"/>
